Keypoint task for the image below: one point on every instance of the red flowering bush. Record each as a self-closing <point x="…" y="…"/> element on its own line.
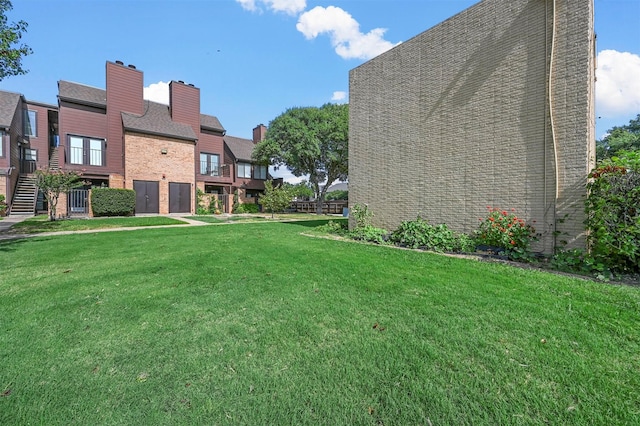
<point x="503" y="230"/>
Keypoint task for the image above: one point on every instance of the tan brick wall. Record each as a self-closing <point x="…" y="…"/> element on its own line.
<point x="116" y="181"/>
<point x="144" y="160"/>
<point x="61" y="207"/>
<point x="458" y="118"/>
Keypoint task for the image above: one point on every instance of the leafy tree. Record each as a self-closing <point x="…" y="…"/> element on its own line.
<point x="275" y="199"/>
<point x="52" y="183"/>
<point x="620" y="138"/>
<point x="11" y="52"/>
<point x="300" y="190"/>
<point x="338" y="194"/>
<point x="309" y="141"/>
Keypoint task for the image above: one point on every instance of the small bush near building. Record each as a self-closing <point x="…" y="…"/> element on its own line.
<point x="246" y="208"/>
<point x="113" y="201"/>
<point x="419" y="233"/>
<point x="506" y="232"/>
<point x="3" y="205"/>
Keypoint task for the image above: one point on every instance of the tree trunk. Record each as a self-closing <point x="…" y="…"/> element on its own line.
<point x="319" y="204"/>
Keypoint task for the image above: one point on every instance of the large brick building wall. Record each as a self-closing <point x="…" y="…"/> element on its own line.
<point x="492" y="107"/>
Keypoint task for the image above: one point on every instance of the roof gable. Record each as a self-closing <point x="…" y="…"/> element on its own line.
<point x="210" y="122"/>
<point x="79" y="93"/>
<point x="8" y="105"/>
<point x="240" y="148"/>
<point x="156" y="120"/>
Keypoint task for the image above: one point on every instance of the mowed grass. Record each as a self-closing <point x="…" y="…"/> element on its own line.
<point x="259" y="217"/>
<point x="40" y="224"/>
<point x="259" y="324"/>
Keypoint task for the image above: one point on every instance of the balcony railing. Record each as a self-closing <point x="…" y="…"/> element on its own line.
<point x="207" y="169"/>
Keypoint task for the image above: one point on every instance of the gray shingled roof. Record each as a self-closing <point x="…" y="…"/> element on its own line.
<point x="157" y="121"/>
<point x="239" y="147"/>
<point x="8" y="104"/>
<point x="210" y="122"/>
<point x="79" y="93"/>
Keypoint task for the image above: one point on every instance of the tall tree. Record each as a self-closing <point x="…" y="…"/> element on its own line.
<point x="11" y="51"/>
<point x="309" y="141"/>
<point x="620" y="138"/>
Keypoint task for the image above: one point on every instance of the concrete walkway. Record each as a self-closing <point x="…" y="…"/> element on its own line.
<point x="7" y="222"/>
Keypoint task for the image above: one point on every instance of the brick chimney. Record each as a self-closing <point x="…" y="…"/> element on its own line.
<point x="259" y="133"/>
<point x="124" y="94"/>
<point x="184" y="104"/>
<point x="124" y="88"/>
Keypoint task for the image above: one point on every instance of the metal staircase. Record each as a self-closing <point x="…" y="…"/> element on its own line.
<point x="24" y="199"/>
<point x="54" y="162"/>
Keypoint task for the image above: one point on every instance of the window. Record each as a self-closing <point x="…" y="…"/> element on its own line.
<point x="212" y="189"/>
<point x="89" y="151"/>
<point x="244" y="170"/>
<point x="260" y="172"/>
<point x="209" y="164"/>
<point x="30" y="123"/>
<point x="30" y="154"/>
<point x="1" y="143"/>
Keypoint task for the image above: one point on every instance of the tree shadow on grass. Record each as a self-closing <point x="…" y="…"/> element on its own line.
<point x="313" y="223"/>
<point x="11" y="244"/>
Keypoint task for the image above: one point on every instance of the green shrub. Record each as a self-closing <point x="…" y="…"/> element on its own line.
<point x="246" y="208"/>
<point x="505" y="231"/>
<point x="215" y="205"/>
<point x="333" y="227"/>
<point x="3" y="204"/>
<point x="370" y="234"/>
<point x="613" y="213"/>
<point x="113" y="201"/>
<point x="419" y="233"/>
<point x="200" y="203"/>
<point x="361" y="214"/>
<point x="579" y="262"/>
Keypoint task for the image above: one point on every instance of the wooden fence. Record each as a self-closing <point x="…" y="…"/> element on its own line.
<point x="329" y="207"/>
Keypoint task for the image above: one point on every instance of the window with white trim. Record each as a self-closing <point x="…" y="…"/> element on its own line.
<point x="87" y="151"/>
<point x="260" y="172"/>
<point x="30" y="154"/>
<point x="209" y="164"/>
<point x="244" y="170"/>
<point x="30" y="123"/>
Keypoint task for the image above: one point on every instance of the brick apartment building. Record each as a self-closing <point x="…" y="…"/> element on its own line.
<point x="118" y="139"/>
<point x="492" y="107"/>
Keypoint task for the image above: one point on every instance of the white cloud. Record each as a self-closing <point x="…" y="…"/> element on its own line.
<point x="339" y="96"/>
<point x="290" y="7"/>
<point x="157" y="92"/>
<point x="344" y="32"/>
<point x="248" y="4"/>
<point x="618" y="85"/>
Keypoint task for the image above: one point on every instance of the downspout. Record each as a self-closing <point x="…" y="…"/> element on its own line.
<point x="552" y="123"/>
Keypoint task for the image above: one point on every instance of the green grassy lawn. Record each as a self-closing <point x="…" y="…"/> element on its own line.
<point x="41" y="223"/>
<point x="258" y="324"/>
<point x="260" y="217"/>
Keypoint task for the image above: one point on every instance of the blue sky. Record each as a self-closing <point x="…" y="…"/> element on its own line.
<point x="253" y="59"/>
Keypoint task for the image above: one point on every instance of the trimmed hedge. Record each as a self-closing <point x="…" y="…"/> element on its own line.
<point x="246" y="208"/>
<point x="113" y="201"/>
